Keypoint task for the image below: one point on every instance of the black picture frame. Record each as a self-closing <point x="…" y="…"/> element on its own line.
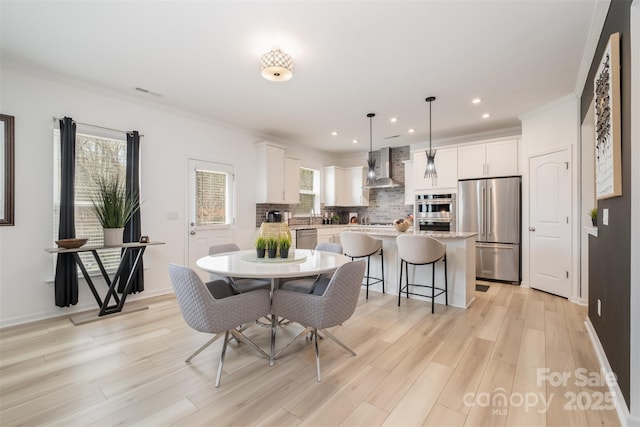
<point x="7" y="165"/>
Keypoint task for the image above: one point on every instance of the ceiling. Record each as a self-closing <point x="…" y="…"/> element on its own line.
<point x="350" y="58"/>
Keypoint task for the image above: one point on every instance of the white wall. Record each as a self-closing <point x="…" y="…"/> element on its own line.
<point x="555" y="126"/>
<point x="170" y="139"/>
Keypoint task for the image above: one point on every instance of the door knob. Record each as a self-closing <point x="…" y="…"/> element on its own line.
<point x="532" y="229"/>
<point x="193" y="224"/>
<point x="192" y="232"/>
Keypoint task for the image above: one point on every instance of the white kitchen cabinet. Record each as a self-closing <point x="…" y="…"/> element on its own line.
<point x="278" y="177"/>
<point x="499" y="158"/>
<point x="355" y="179"/>
<point x="291" y="181"/>
<point x="330" y="234"/>
<point x="334" y="191"/>
<point x="409" y="194"/>
<point x="446" y="167"/>
<point x="343" y="186"/>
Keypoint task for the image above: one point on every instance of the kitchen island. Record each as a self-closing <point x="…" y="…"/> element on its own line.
<point x="461" y="264"/>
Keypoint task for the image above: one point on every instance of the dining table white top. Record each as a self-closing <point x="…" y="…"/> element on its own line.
<point x="300" y="262"/>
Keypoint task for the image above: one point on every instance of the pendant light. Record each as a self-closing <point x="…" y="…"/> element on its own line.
<point x="430" y="171"/>
<point x="371" y="162"/>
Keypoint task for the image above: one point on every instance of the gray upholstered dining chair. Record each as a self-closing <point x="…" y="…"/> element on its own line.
<point x="421" y="250"/>
<point x="360" y="245"/>
<point x="312" y="284"/>
<point x="237" y="285"/>
<point x="206" y="314"/>
<point x="315" y="312"/>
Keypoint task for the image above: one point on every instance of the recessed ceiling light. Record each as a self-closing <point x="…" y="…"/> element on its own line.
<point x="486" y="115"/>
<point x="411" y="130"/>
<point x="476" y="101"/>
<point x="334" y="133"/>
<point x="355" y="141"/>
<point x="393" y="119"/>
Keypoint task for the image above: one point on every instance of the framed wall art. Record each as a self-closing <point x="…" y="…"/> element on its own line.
<point x="606" y="88"/>
<point x="6" y="169"/>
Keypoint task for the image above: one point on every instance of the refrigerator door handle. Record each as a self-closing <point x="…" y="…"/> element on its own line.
<point x="494" y="246"/>
<point x="489" y="218"/>
<point x="482" y="216"/>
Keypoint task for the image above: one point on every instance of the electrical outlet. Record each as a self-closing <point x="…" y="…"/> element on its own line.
<point x="599" y="307"/>
<point x="605" y="216"/>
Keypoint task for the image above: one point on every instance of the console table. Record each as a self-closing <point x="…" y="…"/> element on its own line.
<point x="105" y="308"/>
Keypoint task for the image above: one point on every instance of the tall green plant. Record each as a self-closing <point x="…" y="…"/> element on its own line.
<point x="111" y="204"/>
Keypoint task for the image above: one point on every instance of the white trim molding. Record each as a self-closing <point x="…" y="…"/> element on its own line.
<point x="626" y="419"/>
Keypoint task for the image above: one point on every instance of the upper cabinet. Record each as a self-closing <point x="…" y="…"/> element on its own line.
<point x="489" y="159"/>
<point x="278" y="177"/>
<point x="446" y="167"/>
<point x="355" y="179"/>
<point x="334" y="191"/>
<point x="343" y="186"/>
<point x="409" y="197"/>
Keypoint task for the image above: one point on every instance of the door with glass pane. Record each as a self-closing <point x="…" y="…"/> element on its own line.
<point x="211" y="213"/>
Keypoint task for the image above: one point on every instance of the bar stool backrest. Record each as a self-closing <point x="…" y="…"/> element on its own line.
<point x="359" y="244"/>
<point x="419" y="249"/>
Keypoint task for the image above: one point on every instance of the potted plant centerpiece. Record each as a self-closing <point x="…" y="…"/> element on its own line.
<point x="272" y="246"/>
<point x="593" y="213"/>
<point x="113" y="208"/>
<point x="285" y="244"/>
<point x="261" y="246"/>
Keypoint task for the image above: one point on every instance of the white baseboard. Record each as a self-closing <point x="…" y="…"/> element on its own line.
<point x="57" y="312"/>
<point x="626" y="420"/>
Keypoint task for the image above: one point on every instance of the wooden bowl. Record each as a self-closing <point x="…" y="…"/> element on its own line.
<point x="71" y="243"/>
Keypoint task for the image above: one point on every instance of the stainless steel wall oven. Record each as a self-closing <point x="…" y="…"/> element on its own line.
<point x="435" y="212"/>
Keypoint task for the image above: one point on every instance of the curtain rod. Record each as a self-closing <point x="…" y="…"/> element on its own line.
<point x="96" y="126"/>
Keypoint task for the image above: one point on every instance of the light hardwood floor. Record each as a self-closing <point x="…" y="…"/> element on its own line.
<point x="412" y="368"/>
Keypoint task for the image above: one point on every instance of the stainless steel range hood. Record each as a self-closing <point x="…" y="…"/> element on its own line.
<point x="384" y="180"/>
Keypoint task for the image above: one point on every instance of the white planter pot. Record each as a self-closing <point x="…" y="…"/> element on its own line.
<point x="113" y="236"/>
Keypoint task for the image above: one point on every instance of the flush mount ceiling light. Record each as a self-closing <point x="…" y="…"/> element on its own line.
<point x="371" y="162"/>
<point x="277" y="66"/>
<point x="430" y="171"/>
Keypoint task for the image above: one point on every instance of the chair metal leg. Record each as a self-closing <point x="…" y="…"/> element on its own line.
<point x="382" y="264"/>
<point x="406" y="273"/>
<point x="433" y="287"/>
<point x="198" y="351"/>
<point x="297" y="337"/>
<point x="315" y="341"/>
<point x="400" y="282"/>
<point x="243" y="338"/>
<point x="224" y="350"/>
<point x="337" y="341"/>
<point x="368" y="269"/>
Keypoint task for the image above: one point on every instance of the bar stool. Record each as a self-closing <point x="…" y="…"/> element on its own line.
<point x="359" y="245"/>
<point x="421" y="250"/>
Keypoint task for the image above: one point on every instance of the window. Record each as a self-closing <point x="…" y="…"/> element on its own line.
<point x="96" y="155"/>
<point x="211" y="198"/>
<point x="309" y="192"/>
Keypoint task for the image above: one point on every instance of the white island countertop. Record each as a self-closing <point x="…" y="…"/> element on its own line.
<point x="392" y="232"/>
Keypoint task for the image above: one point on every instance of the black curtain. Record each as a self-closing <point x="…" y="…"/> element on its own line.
<point x="132" y="229"/>
<point x="66" y="281"/>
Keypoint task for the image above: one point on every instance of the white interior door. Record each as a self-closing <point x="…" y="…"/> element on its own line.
<point x="549" y="223"/>
<point x="211" y="213"/>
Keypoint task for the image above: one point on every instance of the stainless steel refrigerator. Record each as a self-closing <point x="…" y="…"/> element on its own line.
<point x="491" y="207"/>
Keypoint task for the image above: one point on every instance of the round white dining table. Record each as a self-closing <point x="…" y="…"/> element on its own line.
<point x="301" y="262"/>
<point x="245" y="264"/>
